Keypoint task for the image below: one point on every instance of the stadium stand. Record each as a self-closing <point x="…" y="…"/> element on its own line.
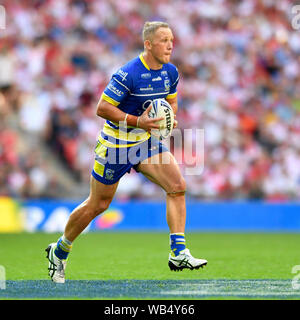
<point x="239" y="63"/>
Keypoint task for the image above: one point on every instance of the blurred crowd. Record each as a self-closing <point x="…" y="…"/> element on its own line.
<point x="239" y="63"/>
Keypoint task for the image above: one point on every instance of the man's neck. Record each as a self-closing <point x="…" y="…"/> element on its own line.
<point x="151" y="62"/>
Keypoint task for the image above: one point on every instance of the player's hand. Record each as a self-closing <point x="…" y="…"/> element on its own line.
<point x="147" y="123"/>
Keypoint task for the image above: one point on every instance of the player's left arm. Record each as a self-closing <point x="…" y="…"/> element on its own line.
<point x="172" y="96"/>
<point x="174" y="104"/>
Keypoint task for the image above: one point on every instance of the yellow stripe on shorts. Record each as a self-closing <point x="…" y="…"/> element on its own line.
<point x="99" y="168"/>
<point x="101" y="150"/>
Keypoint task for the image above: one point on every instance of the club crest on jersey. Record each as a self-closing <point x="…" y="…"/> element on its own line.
<point x="167" y="85"/>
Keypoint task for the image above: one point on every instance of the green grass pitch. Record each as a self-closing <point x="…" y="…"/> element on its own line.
<point x="134" y="265"/>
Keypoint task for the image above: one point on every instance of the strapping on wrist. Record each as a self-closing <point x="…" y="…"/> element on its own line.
<point x="131" y="120"/>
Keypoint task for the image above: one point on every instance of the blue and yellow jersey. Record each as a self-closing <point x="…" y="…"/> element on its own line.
<point x="131" y="89"/>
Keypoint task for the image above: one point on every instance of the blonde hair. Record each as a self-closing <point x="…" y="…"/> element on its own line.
<point x="150" y="27"/>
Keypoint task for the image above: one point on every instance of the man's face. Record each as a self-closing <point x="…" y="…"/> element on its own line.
<point x="162" y="44"/>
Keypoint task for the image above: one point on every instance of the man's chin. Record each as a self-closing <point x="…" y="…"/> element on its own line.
<point x="166" y="59"/>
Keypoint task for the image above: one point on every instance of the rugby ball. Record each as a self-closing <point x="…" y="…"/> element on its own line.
<point x="162" y="109"/>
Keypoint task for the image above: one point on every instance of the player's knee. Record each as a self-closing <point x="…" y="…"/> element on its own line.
<point x="178" y="186"/>
<point x="101" y="206"/>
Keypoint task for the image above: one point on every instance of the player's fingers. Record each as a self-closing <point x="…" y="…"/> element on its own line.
<point x="149" y="108"/>
<point x="157" y="119"/>
<point x="155" y="126"/>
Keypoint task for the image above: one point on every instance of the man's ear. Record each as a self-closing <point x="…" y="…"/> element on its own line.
<point x="147" y="44"/>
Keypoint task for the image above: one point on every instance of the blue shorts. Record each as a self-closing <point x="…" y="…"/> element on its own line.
<point x="112" y="163"/>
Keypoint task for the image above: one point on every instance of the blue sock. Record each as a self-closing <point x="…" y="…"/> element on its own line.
<point x="177" y="243"/>
<point x="63" y="248"/>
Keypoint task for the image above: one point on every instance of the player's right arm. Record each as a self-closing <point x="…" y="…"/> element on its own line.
<point x="117" y="90"/>
<point x="110" y="112"/>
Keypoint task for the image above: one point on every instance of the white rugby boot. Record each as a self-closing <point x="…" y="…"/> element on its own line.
<point x="185" y="260"/>
<point x="56" y="266"/>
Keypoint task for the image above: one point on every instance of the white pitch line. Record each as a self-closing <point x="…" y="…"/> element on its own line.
<point x="228" y="293"/>
<point x="253" y="287"/>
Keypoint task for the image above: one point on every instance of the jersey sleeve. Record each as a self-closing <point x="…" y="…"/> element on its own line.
<point x="174" y="81"/>
<point x="118" y="87"/>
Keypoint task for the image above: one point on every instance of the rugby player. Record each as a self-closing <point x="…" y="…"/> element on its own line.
<point x="125" y="104"/>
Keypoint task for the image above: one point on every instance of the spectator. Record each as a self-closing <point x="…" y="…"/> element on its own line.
<point x="239" y="66"/>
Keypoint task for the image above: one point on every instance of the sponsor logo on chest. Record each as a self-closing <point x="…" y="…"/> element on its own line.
<point x="146" y="75"/>
<point x="157" y="79"/>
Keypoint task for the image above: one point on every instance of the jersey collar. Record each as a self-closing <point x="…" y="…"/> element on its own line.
<point x="144" y="62"/>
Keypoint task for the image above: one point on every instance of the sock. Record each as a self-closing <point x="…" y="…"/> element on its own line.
<point x="177" y="243"/>
<point x="63" y="248"/>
